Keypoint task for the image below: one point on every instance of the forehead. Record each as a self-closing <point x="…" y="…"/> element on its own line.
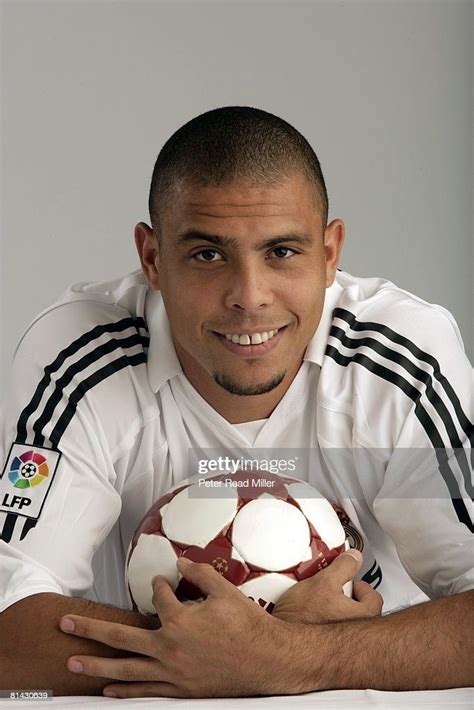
<point x="237" y="205"/>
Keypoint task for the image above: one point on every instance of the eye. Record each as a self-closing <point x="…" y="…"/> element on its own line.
<point x="281" y="255"/>
<point x="205" y="254"/>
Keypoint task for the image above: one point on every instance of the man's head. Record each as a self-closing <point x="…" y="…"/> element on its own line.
<point x="233" y="144"/>
<point x="240" y="246"/>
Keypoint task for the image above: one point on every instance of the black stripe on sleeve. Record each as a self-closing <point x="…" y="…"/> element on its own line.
<point x="8" y="527"/>
<point x="414" y="394"/>
<point x="87" y="384"/>
<point x="390" y="334"/>
<point x="82" y="388"/>
<point x="74" y="370"/>
<point x="71" y="350"/>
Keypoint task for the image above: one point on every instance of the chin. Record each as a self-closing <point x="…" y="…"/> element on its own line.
<point x="234" y="385"/>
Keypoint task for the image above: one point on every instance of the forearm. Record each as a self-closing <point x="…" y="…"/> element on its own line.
<point x="427" y="646"/>
<point x="30" y="630"/>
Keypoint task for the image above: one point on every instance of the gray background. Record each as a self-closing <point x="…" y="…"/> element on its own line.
<point x="382" y="89"/>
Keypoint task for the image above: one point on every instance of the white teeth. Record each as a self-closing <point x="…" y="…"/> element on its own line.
<point x="254" y="339"/>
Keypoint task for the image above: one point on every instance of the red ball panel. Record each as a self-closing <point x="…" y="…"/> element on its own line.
<point x="217" y="553"/>
<point x="321" y="557"/>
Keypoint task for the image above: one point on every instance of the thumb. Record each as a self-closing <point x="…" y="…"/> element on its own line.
<point x="203" y="576"/>
<point x="344" y="567"/>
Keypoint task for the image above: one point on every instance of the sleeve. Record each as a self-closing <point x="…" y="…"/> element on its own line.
<point x="58" y="499"/>
<point x="425" y="501"/>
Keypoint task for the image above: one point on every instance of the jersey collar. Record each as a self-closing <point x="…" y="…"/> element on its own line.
<point x="163" y="362"/>
<point x="317" y="345"/>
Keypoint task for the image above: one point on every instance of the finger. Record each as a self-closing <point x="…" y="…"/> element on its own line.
<point x="128" y="638"/>
<point x="164" y="599"/>
<point x="371" y="599"/>
<point x="205" y="577"/>
<point x="143" y="690"/>
<point x="126" y="669"/>
<point x="343" y="568"/>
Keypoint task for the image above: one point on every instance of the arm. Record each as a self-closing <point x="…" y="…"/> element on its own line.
<point x="425" y="647"/>
<point x="424" y="505"/>
<point x="46" y="558"/>
<point x="30" y="629"/>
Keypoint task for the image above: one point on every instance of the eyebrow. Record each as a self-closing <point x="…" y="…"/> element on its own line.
<point x="191" y="235"/>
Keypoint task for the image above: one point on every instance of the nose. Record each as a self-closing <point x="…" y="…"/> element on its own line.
<point x="248" y="288"/>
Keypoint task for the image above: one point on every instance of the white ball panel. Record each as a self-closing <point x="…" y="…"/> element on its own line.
<point x="347" y="589"/>
<point x="191" y="519"/>
<point x="234" y="555"/>
<point x="348" y="586"/>
<point x="152" y="555"/>
<point x="320" y="514"/>
<point x="271" y="534"/>
<point x="269" y="587"/>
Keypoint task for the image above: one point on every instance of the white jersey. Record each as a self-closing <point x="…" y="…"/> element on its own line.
<point x="99" y="421"/>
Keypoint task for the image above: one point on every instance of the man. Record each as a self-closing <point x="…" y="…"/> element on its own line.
<point x="239" y="332"/>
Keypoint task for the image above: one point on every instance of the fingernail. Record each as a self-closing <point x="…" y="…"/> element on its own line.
<point x="75" y="666"/>
<point x="354" y="553"/>
<point x="66" y="624"/>
<point x="110" y="693"/>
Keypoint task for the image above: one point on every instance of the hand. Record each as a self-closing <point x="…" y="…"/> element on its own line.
<point x="224" y="646"/>
<point x="320" y="598"/>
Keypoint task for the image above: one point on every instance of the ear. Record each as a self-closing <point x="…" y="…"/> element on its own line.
<point x="149" y="253"/>
<point x="333" y="242"/>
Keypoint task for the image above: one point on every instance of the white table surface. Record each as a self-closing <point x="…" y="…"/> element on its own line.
<point x="333" y="699"/>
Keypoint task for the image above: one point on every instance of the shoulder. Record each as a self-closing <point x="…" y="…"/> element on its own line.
<point x="88" y="304"/>
<point x="85" y="356"/>
<point x="84" y="314"/>
<point x="378" y="315"/>
<point x="389" y="352"/>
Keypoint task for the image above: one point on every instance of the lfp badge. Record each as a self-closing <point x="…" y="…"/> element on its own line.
<point x="28" y="470"/>
<point x="26" y="479"/>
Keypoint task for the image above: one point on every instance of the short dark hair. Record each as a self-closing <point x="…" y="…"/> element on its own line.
<point x="233" y="144"/>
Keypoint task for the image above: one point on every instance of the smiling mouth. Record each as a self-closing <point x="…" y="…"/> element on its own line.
<point x="252" y="338"/>
<point x="251" y="344"/>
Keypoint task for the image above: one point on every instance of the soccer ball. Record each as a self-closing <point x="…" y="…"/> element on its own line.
<point x="263" y="532"/>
